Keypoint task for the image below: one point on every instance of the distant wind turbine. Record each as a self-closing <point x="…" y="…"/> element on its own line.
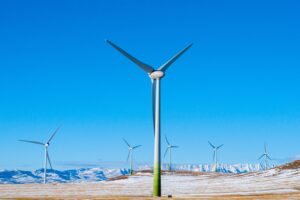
<point x="266" y="156"/>
<point x="169" y="149"/>
<point x="215" y="154"/>
<point x="129" y="155"/>
<point x="46" y="145"/>
<point x="155" y="76"/>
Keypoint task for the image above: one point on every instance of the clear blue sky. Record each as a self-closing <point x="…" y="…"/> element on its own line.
<point x="238" y="85"/>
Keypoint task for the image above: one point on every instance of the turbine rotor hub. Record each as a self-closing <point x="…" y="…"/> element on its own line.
<point x="47" y="144"/>
<point x="157" y="74"/>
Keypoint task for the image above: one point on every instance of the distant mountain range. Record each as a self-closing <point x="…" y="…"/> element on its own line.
<point x="222" y="168"/>
<point x="102" y="174"/>
<point x="56" y="176"/>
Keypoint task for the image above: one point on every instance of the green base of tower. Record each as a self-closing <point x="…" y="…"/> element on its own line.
<point x="156" y="181"/>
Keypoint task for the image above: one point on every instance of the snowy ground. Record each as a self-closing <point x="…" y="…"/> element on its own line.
<point x="188" y="185"/>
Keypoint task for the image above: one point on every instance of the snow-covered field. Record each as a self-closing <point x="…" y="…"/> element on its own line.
<point x="179" y="184"/>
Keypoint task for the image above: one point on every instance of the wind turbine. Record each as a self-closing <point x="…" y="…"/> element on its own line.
<point x="130" y="152"/>
<point x="266" y="155"/>
<point x="155" y="76"/>
<point x="46" y="145"/>
<point x="215" y="155"/>
<point x="169" y="149"/>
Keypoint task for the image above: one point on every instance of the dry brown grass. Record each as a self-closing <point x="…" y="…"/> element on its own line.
<point x="292" y="165"/>
<point x="117" y="178"/>
<point x="221" y="197"/>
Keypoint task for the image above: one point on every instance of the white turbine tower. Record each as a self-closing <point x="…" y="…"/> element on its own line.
<point x="215" y="154"/>
<point x="129" y="156"/>
<point x="46" y="145"/>
<point x="266" y="156"/>
<point x="155" y="76"/>
<point x="169" y="149"/>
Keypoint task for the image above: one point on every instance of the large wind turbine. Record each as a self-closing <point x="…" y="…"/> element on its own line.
<point x="155" y="76"/>
<point x="46" y="145"/>
<point x="266" y="155"/>
<point x="215" y="155"/>
<point x="129" y="156"/>
<point x="169" y="149"/>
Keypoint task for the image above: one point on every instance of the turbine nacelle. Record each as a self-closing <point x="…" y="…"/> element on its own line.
<point x="47" y="145"/>
<point x="157" y="74"/>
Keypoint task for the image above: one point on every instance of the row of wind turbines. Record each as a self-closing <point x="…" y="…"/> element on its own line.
<point x="131" y="149"/>
<point x="169" y="148"/>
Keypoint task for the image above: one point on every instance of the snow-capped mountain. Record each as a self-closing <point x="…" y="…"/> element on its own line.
<point x="55" y="176"/>
<point x="222" y="168"/>
<point x="101" y="174"/>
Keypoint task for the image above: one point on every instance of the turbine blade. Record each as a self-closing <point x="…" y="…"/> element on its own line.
<point x="126" y="142"/>
<point x="142" y="65"/>
<point x="48" y="157"/>
<point x="167" y="140"/>
<point x="269" y="157"/>
<point x="57" y="129"/>
<point x="165" y="66"/>
<point x="261" y="166"/>
<point x="214" y="155"/>
<point x="261" y="157"/>
<point x="174" y="146"/>
<point x="211" y="144"/>
<point x="137" y="146"/>
<point x="128" y="156"/>
<point x="220" y="146"/>
<point x="166" y="152"/>
<point x="34" y="142"/>
<point x="265" y="148"/>
<point x="153" y="103"/>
